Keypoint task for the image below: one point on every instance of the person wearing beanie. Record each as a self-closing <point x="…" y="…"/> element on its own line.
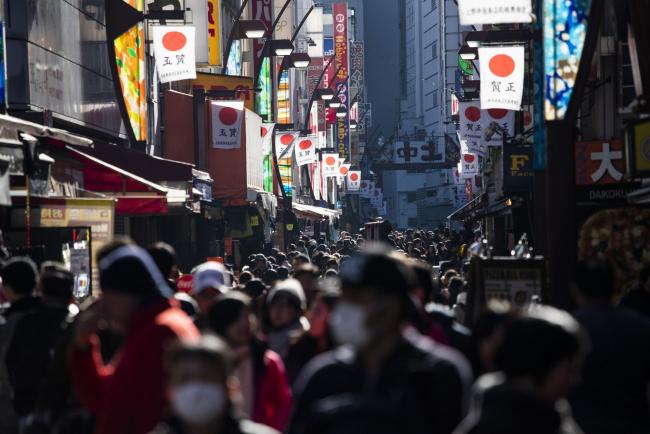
<point x="127" y="395"/>
<point x="286" y="304"/>
<point x="265" y="393"/>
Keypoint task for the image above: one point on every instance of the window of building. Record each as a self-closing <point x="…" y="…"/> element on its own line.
<point x="434" y="50"/>
<point x="411" y="197"/>
<point x="434" y="5"/>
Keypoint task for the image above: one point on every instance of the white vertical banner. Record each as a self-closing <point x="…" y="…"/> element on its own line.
<point x="174" y="51"/>
<point x="306" y="150"/>
<point x="227" y="118"/>
<point x="354" y="180"/>
<point x="476" y="12"/>
<point x="504" y="119"/>
<point x="502" y="77"/>
<point x="329" y="165"/>
<point x="267" y="137"/>
<point x="470" y="131"/>
<point x="343" y="170"/>
<point x="469" y="166"/>
<point x="284" y="144"/>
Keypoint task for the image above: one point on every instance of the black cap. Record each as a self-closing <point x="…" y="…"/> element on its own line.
<point x="131" y="270"/>
<point x="376" y="268"/>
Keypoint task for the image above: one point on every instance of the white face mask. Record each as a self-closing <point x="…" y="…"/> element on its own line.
<point x="198" y="403"/>
<point x="348" y="325"/>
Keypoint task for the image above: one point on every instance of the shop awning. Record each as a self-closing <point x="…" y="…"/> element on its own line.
<point x="315" y="211"/>
<point x="11" y="126"/>
<point x="134" y="194"/>
<point x="470" y="210"/>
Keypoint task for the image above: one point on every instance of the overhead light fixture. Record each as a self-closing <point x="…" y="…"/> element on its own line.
<point x="468" y="53"/>
<point x="335" y="102"/>
<point x="281" y="47"/>
<point x="326" y="94"/>
<point x="251" y="29"/>
<point x="353" y="125"/>
<point x="341" y="112"/>
<point x="300" y="60"/>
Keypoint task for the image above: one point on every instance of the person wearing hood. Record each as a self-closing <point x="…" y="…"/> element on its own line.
<point x="286" y="305"/>
<point x="265" y="394"/>
<point x="127" y="395"/>
<point x="539" y="359"/>
<point x="203" y="390"/>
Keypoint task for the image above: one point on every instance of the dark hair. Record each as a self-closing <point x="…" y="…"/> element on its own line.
<point x="302" y="258"/>
<point x="283" y="273"/>
<point x="56" y="281"/>
<point x="164" y="256"/>
<point x="536" y="342"/>
<point x="306" y="269"/>
<point x="226" y="311"/>
<point x="108" y="248"/>
<point x="270" y="276"/>
<point x="280" y="257"/>
<point x="595" y="279"/>
<point x="423" y="277"/>
<point x="245" y="277"/>
<point x="20" y="274"/>
<point x="644" y="275"/>
<point x="209" y="348"/>
<point x="254" y="288"/>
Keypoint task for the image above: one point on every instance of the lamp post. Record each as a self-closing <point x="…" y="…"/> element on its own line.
<point x="247" y="29"/>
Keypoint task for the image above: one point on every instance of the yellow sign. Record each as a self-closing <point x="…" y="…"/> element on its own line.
<point x="214" y="32"/>
<point x="642" y="147"/>
<point x="243" y="86"/>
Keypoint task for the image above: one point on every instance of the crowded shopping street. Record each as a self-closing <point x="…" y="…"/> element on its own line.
<point x="324" y="217"/>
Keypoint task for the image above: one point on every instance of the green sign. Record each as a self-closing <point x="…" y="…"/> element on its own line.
<point x="466" y="66"/>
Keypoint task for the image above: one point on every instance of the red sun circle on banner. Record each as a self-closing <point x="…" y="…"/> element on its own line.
<point x="305" y="144"/>
<point x="343" y="170"/>
<point x="330" y="161"/>
<point x="228" y="116"/>
<point x="354" y="177"/>
<point x="473" y="113"/>
<point x="502" y="65"/>
<point x="469" y="158"/>
<point x="174" y="41"/>
<point x="264" y="131"/>
<point x="286" y="139"/>
<point x="498" y="113"/>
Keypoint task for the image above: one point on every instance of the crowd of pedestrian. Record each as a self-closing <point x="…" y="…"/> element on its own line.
<point x="331" y="338"/>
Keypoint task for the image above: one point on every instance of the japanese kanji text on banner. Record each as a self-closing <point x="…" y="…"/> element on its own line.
<point x="227" y="118"/>
<point x="174" y="52"/>
<point x="502" y="77"/>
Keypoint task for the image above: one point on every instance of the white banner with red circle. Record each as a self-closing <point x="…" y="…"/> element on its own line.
<point x="501" y="120"/>
<point x="468" y="166"/>
<point x="267" y="137"/>
<point x="174" y="51"/>
<point x="470" y="128"/>
<point x="284" y="144"/>
<point x="330" y="165"/>
<point x="227" y="120"/>
<point x="344" y="169"/>
<point x="305" y="150"/>
<point x="354" y="180"/>
<point x="502" y="77"/>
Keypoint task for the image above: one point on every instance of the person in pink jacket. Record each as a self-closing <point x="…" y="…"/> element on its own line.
<point x="265" y="392"/>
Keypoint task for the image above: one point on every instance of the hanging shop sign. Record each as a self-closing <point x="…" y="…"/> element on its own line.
<point x="214" y="32"/>
<point x="518" y="172"/>
<point x="638" y="149"/>
<point x="416" y="152"/>
<point x="470" y="128"/>
<point x="473" y="12"/>
<point x="305" y="150"/>
<point x="341" y="53"/>
<point x="565" y="32"/>
<point x="502" y="77"/>
<point x="174" y="50"/>
<point x="466" y="66"/>
<point x="354" y="180"/>
<point x="227" y="118"/>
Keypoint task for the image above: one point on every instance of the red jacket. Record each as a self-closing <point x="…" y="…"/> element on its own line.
<point x="128" y="395"/>
<point x="272" y="394"/>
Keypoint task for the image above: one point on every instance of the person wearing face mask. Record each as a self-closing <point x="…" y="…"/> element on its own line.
<point x="127" y="395"/>
<point x="539" y="360"/>
<point x="265" y="393"/>
<point x="385" y="378"/>
<point x="202" y="391"/>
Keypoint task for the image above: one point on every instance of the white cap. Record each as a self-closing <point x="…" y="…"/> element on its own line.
<point x="291" y="287"/>
<point x="210" y="275"/>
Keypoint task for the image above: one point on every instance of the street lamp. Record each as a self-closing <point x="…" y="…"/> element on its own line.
<point x="476" y="39"/>
<point x="335" y="103"/>
<point x="242" y="29"/>
<point x="279" y="47"/>
<point x="341" y="112"/>
<point x="300" y="60"/>
<point x="325" y="94"/>
<point x="468" y="53"/>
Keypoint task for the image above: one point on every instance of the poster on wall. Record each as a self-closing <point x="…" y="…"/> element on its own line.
<point x="502" y="77"/>
<point x="227" y="118"/>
